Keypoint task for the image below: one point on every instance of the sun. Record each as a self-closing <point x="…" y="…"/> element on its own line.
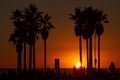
<point x="78" y="65"/>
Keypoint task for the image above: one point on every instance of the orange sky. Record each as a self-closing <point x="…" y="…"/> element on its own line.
<point x="62" y="42"/>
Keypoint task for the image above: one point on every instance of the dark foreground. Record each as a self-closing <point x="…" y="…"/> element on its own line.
<point x="57" y="75"/>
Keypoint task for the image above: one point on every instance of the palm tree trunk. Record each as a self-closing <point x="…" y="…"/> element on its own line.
<point x="24" y="57"/>
<point x="95" y="60"/>
<point x="90" y="57"/>
<point x="19" y="63"/>
<point x="44" y="56"/>
<point x="98" y="52"/>
<point x="87" y="53"/>
<point x="34" y="65"/>
<point x="80" y="41"/>
<point x="30" y="58"/>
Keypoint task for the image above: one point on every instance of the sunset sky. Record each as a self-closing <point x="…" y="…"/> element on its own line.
<point x="62" y="42"/>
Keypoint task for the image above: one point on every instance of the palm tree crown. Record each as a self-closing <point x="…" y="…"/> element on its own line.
<point x="46" y="25"/>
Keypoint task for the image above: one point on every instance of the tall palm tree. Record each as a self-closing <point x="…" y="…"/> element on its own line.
<point x="101" y="18"/>
<point x="32" y="17"/>
<point x="95" y="59"/>
<point x="89" y="16"/>
<point x="16" y="36"/>
<point x="99" y="31"/>
<point x="88" y="19"/>
<point x="94" y="17"/>
<point x="78" y="18"/>
<point x="46" y="26"/>
<point x="19" y="24"/>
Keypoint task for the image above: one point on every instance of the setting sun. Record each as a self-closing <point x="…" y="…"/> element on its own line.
<point x="78" y="65"/>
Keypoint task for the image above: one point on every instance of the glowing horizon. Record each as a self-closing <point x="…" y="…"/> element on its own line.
<point x="62" y="42"/>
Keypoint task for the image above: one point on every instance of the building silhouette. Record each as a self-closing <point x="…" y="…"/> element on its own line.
<point x="57" y="65"/>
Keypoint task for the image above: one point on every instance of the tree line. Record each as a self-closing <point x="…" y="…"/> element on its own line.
<point x="89" y="23"/>
<point x="29" y="23"/>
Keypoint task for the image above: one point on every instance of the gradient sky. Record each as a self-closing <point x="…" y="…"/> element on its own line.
<point x="62" y="42"/>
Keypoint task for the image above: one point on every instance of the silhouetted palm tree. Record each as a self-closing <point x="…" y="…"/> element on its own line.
<point x="94" y="17"/>
<point x="86" y="22"/>
<point x="99" y="31"/>
<point x="32" y="19"/>
<point x="46" y="26"/>
<point x="95" y="59"/>
<point x="16" y="36"/>
<point x="101" y="18"/>
<point x="88" y="19"/>
<point x="90" y="22"/>
<point x="78" y="18"/>
<point x="19" y="23"/>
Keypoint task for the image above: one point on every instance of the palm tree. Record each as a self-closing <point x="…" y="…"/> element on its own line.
<point x="99" y="32"/>
<point x="16" y="36"/>
<point x="89" y="16"/>
<point x="94" y="17"/>
<point x="85" y="18"/>
<point x="95" y="59"/>
<point x="32" y="18"/>
<point x="45" y="33"/>
<point x="19" y="24"/>
<point x="88" y="19"/>
<point x="78" y="18"/>
<point x="100" y="29"/>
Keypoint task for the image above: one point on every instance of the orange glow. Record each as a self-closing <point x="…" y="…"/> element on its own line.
<point x="62" y="43"/>
<point x="78" y="65"/>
